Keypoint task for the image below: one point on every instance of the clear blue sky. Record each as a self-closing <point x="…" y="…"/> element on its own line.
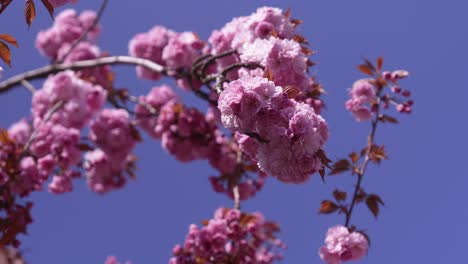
<point x="423" y="184"/>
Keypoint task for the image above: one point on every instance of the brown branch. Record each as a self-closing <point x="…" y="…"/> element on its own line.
<point x="78" y="65"/>
<point x="362" y="170"/>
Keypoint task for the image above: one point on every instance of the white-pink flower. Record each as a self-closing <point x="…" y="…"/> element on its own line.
<point x="342" y="245"/>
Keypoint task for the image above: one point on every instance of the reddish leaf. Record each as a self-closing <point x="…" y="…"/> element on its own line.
<point x="49" y="7"/>
<point x="85" y="147"/>
<point x="296" y="22"/>
<point x="4" y="137"/>
<point x="323" y="158"/>
<point x="328" y="207"/>
<point x="5" y="53"/>
<point x="376" y="198"/>
<point x="379" y="63"/>
<point x="354" y="157"/>
<point x="4" y="5"/>
<point x="361" y="195"/>
<point x="373" y="206"/>
<point x="287" y="14"/>
<point x="365" y="69"/>
<point x="322" y="173"/>
<point x="291" y="90"/>
<point x="300" y="39"/>
<point x="377" y="154"/>
<point x="389" y="119"/>
<point x="9" y="39"/>
<point x="306" y="51"/>
<point x="340" y="166"/>
<point x="310" y="63"/>
<point x="135" y="134"/>
<point x="339" y="195"/>
<point x="30" y="12"/>
<point x="268" y="74"/>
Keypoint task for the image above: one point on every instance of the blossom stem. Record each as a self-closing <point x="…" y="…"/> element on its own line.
<point x="362" y="170"/>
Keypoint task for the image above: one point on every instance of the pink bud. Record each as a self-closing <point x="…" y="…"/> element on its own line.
<point x="396" y="89"/>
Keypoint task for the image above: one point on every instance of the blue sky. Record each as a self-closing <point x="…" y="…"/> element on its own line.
<point x="423" y="183"/>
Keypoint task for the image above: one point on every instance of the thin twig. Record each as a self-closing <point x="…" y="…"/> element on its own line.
<point x="78" y="65"/>
<point x="46" y="119"/>
<point x="28" y="86"/>
<point x="235" y="192"/>
<point x="362" y="170"/>
<point x="86" y="32"/>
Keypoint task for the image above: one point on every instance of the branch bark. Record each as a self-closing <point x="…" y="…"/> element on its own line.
<point x="43" y="72"/>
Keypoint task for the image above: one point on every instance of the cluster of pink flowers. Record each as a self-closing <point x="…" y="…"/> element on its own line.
<point x="288" y="133"/>
<point x="175" y="50"/>
<point x="67" y="28"/>
<point x="80" y="100"/>
<point x="362" y="95"/>
<point x="190" y="135"/>
<point x="114" y="135"/>
<point x="230" y="237"/>
<point x="184" y="132"/>
<point x="64" y="106"/>
<point x="266" y="21"/>
<point x="343" y="245"/>
<point x="364" y="92"/>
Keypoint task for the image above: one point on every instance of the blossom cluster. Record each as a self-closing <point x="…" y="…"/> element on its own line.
<point x="285" y="135"/>
<point x="365" y="95"/>
<point x="67" y="29"/>
<point x="343" y="245"/>
<point x="230" y="237"/>
<point x="175" y="50"/>
<point x="190" y="135"/>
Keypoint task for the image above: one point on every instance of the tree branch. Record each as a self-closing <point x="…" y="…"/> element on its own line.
<point x="362" y="170"/>
<point x="54" y="68"/>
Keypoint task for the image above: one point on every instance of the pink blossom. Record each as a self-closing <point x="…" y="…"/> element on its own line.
<point x="342" y="245"/>
<point x="67" y="28"/>
<point x="242" y="99"/>
<point x="360" y="112"/>
<point x="182" y="49"/>
<point x="20" y="132"/>
<point x="59" y="141"/>
<point x="282" y="57"/>
<point x="155" y="99"/>
<point x="230" y="234"/>
<point x="86" y="51"/>
<point x="150" y="46"/>
<point x="243" y="30"/>
<point x="112" y="132"/>
<point x="80" y="100"/>
<point x="104" y="173"/>
<point x="62" y="183"/>
<point x="29" y="178"/>
<point x="186" y="133"/>
<point x="362" y="94"/>
<point x="289" y="133"/>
